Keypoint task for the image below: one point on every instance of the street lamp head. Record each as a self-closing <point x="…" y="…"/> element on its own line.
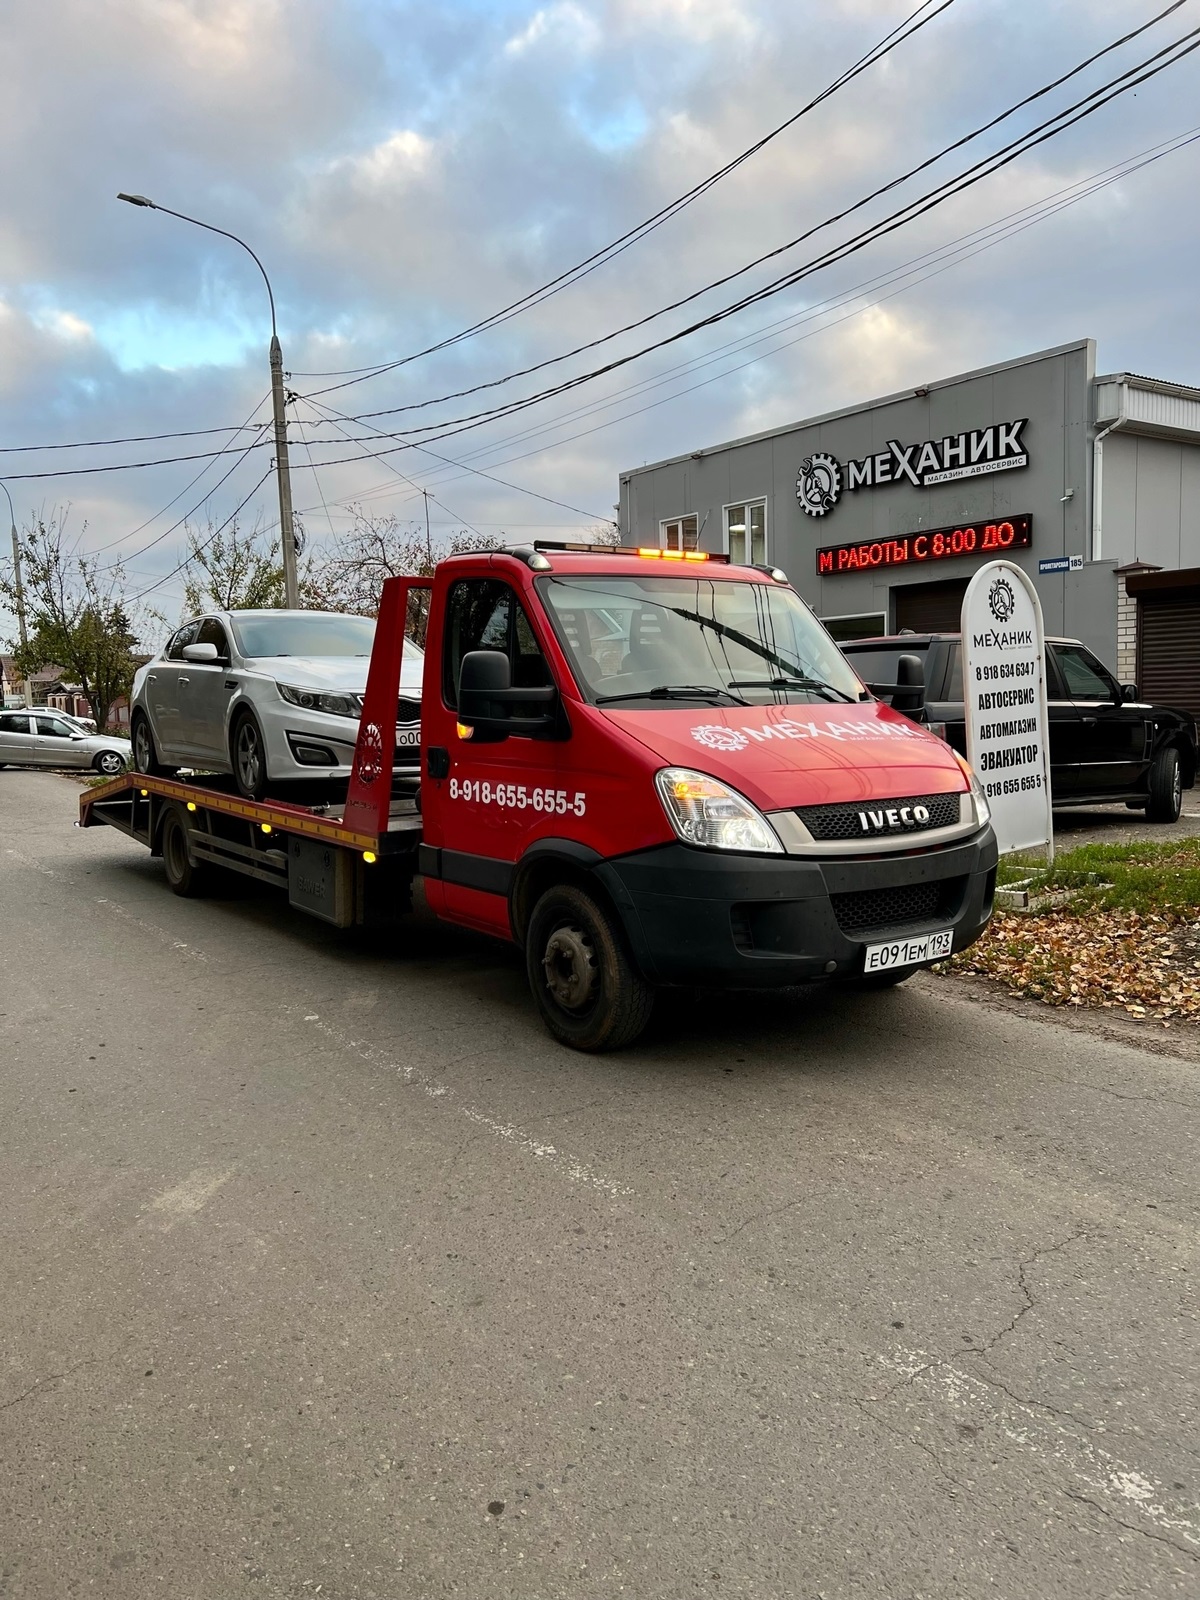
<point x="137" y="200"/>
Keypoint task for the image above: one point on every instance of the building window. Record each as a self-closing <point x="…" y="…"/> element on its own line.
<point x="681" y="533"/>
<point x="746" y="532"/>
<point x="863" y="625"/>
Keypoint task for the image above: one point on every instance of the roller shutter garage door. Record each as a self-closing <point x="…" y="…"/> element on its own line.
<point x="929" y="607"/>
<point x="1169" y="650"/>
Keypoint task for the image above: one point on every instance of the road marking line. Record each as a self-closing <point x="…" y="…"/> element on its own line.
<point x="1044" y="1435"/>
<point x="565" y="1165"/>
<point x="190" y="1196"/>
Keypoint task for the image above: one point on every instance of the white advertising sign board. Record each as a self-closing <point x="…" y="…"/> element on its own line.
<point x="1004" y="687"/>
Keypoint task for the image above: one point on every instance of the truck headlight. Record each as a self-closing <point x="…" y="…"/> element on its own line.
<point x="706" y="812"/>
<point x="983" y="812"/>
<point x="337" y="705"/>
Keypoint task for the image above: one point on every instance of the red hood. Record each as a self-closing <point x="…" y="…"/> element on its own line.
<point x="783" y="756"/>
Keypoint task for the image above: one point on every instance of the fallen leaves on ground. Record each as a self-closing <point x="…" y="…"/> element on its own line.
<point x="1145" y="964"/>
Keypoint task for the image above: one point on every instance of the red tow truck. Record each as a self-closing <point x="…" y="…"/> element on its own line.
<point x="643" y="767"/>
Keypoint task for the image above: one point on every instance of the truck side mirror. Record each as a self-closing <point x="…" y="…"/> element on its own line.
<point x="910" y="687"/>
<point x="1129" y="693"/>
<point x="489" y="704"/>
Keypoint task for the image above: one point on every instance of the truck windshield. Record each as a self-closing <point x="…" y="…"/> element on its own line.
<point x="637" y="637"/>
<point x="309" y="633"/>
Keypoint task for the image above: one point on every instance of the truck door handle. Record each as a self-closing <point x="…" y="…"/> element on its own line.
<point x="1088" y="722"/>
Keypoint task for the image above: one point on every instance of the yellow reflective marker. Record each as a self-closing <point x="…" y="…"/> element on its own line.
<point x="191" y="805"/>
<point x="369" y="857"/>
<point x="266" y="827"/>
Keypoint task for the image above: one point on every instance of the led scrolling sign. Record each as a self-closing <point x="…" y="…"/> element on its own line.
<point x="931" y="544"/>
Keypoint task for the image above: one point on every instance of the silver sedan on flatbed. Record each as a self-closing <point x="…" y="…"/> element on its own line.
<point x="272" y="697"/>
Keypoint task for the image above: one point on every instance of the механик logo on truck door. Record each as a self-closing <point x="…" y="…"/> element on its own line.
<point x="999" y="448"/>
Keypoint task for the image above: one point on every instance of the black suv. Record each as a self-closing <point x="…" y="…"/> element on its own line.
<point x="1105" y="744"/>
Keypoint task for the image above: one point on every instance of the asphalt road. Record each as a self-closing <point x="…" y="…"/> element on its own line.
<point x="326" y="1272"/>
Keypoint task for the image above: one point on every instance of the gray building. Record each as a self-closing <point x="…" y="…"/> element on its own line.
<point x="880" y="513"/>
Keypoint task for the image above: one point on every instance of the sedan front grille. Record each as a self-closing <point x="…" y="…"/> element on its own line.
<point x="408" y="710"/>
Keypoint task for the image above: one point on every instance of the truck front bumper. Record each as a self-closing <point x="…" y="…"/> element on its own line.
<point x="697" y="916"/>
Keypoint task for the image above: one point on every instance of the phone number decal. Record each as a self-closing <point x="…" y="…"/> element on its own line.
<point x="516" y="797"/>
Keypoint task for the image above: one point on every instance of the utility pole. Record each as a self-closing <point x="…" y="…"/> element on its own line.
<point x="20" y="590"/>
<point x="283" y="476"/>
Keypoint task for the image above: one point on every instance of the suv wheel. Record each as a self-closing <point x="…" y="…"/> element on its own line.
<point x="249" y="757"/>
<point x="145" y="754"/>
<point x="587" y="989"/>
<point x="1166" y="788"/>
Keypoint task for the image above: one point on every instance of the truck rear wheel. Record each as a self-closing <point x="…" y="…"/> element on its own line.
<point x="184" y="875"/>
<point x="587" y="989"/>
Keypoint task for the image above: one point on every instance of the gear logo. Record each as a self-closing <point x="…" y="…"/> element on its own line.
<point x="819" y="484"/>
<point x="716" y="737"/>
<point x="370" y="753"/>
<point x="1001" y="600"/>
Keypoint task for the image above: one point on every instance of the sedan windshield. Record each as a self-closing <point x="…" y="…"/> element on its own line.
<point x="642" y="637"/>
<point x="305" y="633"/>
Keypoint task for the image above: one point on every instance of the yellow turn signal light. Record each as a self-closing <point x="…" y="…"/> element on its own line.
<point x="465" y="730"/>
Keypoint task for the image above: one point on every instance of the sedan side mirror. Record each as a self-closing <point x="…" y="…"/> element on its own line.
<point x="490" y="704"/>
<point x="910" y="687"/>
<point x="202" y="652"/>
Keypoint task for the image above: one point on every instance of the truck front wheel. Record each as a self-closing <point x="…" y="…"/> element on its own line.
<point x="588" y="991"/>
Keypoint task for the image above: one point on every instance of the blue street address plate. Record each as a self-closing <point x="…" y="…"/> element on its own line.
<point x="1061" y="564"/>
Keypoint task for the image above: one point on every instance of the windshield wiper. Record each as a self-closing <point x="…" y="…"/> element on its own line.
<point x="792" y="682"/>
<point x="673" y="691"/>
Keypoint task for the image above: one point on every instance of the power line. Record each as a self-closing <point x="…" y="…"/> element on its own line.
<point x="1087" y="106"/>
<point x="950" y="188"/>
<point x="943" y="258"/>
<point x="189" y="485"/>
<point x="476" y="471"/>
<point x="875" y="194"/>
<point x="618" y="246"/>
<point x="1000" y="230"/>
<point x="192" y="554"/>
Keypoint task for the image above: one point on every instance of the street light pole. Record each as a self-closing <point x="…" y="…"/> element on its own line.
<point x="19" y="587"/>
<point x="283" y="475"/>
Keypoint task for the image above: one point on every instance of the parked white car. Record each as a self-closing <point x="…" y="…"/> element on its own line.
<point x="42" y="738"/>
<point x="272" y="697"/>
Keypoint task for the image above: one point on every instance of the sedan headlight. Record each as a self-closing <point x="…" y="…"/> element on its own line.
<point x="706" y="812"/>
<point x="983" y="812"/>
<point x="337" y="705"/>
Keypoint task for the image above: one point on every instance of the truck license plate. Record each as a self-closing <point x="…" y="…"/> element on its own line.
<point x="908" y="952"/>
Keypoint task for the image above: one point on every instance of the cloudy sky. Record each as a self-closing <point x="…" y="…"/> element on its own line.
<point x="407" y="170"/>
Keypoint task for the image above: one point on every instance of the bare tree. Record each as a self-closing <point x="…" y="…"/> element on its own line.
<point x="350" y="576"/>
<point x="77" y="615"/>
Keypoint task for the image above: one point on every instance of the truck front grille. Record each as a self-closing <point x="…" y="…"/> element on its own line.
<point x="863" y="910"/>
<point x="845" y="821"/>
